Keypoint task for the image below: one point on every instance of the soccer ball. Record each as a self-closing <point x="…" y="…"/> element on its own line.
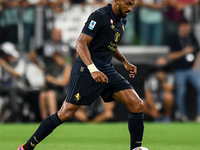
<point x="140" y="148"/>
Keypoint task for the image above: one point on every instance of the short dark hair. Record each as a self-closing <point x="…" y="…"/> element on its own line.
<point x="183" y="21"/>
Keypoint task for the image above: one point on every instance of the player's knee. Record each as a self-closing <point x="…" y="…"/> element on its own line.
<point x="64" y="116"/>
<point x="67" y="111"/>
<point x="137" y="107"/>
<point x="140" y="106"/>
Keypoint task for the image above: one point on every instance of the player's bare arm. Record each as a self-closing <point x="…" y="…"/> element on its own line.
<point x="130" y="67"/>
<point x="84" y="53"/>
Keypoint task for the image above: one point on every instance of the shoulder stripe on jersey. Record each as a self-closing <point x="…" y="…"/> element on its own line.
<point x="103" y="10"/>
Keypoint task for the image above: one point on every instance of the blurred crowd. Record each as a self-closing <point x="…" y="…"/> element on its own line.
<point x="27" y="23"/>
<point x="38" y="37"/>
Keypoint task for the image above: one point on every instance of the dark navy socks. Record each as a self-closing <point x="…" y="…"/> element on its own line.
<point x="135" y="125"/>
<point x="136" y="128"/>
<point x="46" y="127"/>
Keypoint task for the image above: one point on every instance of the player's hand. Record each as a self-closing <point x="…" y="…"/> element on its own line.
<point x="131" y="68"/>
<point x="99" y="76"/>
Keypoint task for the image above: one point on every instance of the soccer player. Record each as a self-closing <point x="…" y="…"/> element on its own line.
<point x="93" y="74"/>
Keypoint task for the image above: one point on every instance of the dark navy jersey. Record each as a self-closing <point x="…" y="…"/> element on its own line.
<point x="106" y="30"/>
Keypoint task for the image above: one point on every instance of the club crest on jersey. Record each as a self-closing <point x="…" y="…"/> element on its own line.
<point x="82" y="69"/>
<point x="117" y="36"/>
<point x="92" y="24"/>
<point x="77" y="97"/>
<point x="111" y="21"/>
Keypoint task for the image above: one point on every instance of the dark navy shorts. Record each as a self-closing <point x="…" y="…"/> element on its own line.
<point x="85" y="90"/>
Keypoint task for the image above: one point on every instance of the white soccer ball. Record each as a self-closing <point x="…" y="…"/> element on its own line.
<point x="140" y="148"/>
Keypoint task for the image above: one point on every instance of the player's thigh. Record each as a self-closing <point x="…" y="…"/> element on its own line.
<point x="83" y="90"/>
<point x="130" y="99"/>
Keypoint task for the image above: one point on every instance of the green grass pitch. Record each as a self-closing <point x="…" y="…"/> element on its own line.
<point x="104" y="136"/>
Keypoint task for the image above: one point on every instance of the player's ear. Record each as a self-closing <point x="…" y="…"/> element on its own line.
<point x="117" y="2"/>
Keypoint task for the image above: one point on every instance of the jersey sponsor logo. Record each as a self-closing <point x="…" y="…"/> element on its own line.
<point x="92" y="24"/>
<point x="77" y="97"/>
<point x="117" y="36"/>
<point x="112" y="46"/>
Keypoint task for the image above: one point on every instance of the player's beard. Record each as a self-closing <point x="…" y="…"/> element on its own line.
<point x="122" y="15"/>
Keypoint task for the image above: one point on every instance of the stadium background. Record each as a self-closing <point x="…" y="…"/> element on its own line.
<point x="71" y="23"/>
<point x="106" y="136"/>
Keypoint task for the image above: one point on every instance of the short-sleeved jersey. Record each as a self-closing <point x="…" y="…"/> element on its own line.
<point x="106" y="30"/>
